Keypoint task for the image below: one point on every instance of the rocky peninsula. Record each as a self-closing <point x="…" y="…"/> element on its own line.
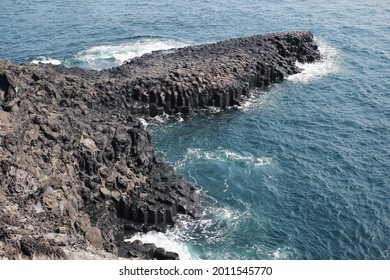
<point x="77" y="167"/>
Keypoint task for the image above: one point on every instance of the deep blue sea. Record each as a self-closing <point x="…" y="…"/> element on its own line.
<point x="300" y="170"/>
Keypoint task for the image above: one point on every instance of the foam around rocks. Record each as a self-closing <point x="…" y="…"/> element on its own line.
<point x="76" y="161"/>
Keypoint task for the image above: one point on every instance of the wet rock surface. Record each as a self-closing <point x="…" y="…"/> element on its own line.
<point x="145" y="251"/>
<point x="77" y="168"/>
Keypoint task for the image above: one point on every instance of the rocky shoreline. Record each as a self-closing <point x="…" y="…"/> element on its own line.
<point x="77" y="167"/>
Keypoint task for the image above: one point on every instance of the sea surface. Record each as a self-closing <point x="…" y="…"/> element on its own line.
<point x="300" y="170"/>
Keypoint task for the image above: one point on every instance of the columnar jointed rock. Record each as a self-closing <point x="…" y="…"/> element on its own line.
<point x="218" y="74"/>
<point x="73" y="159"/>
<point x="69" y="165"/>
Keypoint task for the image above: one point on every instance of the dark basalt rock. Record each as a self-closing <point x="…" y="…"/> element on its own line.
<point x="77" y="168"/>
<point x="145" y="251"/>
<point x="217" y="75"/>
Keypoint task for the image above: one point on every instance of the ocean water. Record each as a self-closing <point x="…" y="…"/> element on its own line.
<point x="300" y="170"/>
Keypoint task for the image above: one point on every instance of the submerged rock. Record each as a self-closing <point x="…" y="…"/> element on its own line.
<point x="77" y="168"/>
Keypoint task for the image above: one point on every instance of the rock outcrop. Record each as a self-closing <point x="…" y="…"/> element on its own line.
<point x="217" y="75"/>
<point x="77" y="168"/>
<point x="145" y="251"/>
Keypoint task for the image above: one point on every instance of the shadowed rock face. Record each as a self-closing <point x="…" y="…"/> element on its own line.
<point x="76" y="167"/>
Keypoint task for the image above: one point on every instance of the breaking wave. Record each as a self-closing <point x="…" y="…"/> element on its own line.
<point x="329" y="63"/>
<point x="46" y="60"/>
<point x="107" y="56"/>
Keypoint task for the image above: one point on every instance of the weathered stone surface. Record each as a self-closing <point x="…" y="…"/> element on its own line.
<point x="94" y="236"/>
<point x="77" y="168"/>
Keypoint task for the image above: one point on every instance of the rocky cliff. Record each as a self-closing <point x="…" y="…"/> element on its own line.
<point x="77" y="167"/>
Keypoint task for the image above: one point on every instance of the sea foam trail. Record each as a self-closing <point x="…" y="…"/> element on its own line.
<point x="225" y="155"/>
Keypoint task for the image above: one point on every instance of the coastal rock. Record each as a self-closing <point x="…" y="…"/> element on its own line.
<point x="179" y="81"/>
<point x="77" y="168"/>
<point x="145" y="251"/>
<point x="94" y="236"/>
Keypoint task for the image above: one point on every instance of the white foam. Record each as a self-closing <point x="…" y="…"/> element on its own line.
<point x="263" y="161"/>
<point x="328" y="64"/>
<point x="212" y="227"/>
<point x="258" y="98"/>
<point x="224" y="155"/>
<point x="232" y="155"/>
<point x="46" y="60"/>
<point x="144" y="122"/>
<point x="169" y="241"/>
<point x="106" y="56"/>
<point x="162" y="119"/>
<point x="281" y="253"/>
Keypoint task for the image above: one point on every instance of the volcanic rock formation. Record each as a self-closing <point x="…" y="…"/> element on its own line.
<point x="76" y="165"/>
